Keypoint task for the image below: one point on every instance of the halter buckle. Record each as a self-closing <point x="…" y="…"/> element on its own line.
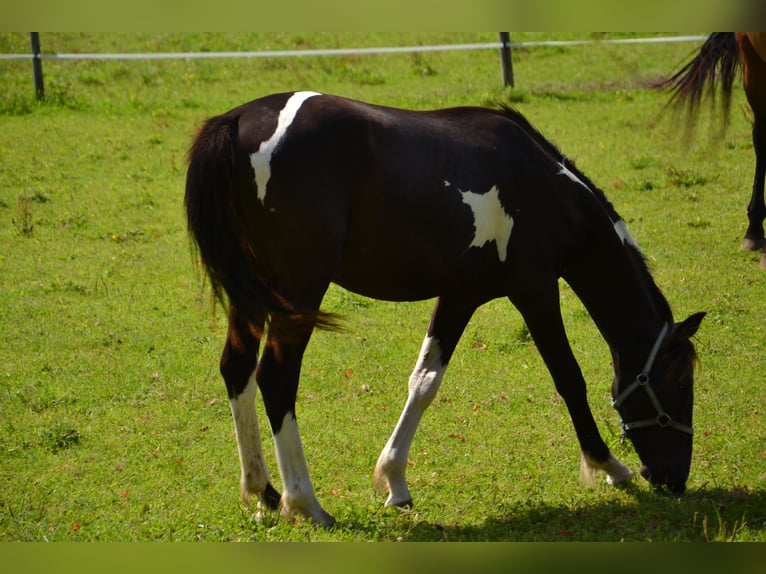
<point x="663" y="420"/>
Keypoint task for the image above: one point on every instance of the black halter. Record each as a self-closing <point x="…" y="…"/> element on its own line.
<point x="642" y="380"/>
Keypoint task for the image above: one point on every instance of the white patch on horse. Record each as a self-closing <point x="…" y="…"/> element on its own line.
<point x="261" y="159"/>
<point x="490" y="220"/>
<point x="622" y="231"/>
<point x="571" y="175"/>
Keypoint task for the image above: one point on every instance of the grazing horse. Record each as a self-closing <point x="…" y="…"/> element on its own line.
<point x="720" y="58"/>
<point x="294" y="191"/>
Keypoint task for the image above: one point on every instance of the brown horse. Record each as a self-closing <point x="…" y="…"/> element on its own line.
<point x="720" y="58"/>
<point x="294" y="191"/>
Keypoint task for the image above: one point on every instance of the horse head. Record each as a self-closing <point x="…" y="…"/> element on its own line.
<point x="656" y="407"/>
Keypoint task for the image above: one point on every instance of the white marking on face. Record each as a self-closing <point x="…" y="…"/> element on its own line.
<point x="571" y="175"/>
<point x="261" y="159"/>
<point x="490" y="220"/>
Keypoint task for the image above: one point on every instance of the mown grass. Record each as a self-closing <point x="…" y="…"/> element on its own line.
<point x="114" y="423"/>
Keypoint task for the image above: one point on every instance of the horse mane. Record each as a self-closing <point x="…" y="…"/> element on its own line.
<point x="555" y="154"/>
<point x="639" y="260"/>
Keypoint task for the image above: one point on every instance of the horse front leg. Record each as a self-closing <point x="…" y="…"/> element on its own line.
<point x="447" y="324"/>
<point x="277" y="376"/>
<point x="238" y="364"/>
<point x="543" y="319"/>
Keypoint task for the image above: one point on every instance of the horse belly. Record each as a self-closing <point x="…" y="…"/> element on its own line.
<point x="416" y="266"/>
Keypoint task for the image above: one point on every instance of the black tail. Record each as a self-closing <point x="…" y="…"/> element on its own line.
<point x="717" y="60"/>
<point x="221" y="235"/>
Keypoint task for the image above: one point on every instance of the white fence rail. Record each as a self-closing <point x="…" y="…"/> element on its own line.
<point x="504" y="45"/>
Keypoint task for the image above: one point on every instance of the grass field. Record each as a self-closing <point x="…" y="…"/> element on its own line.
<point x="114" y="422"/>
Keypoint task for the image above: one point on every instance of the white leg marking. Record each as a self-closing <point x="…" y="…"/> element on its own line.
<point x="298" y="495"/>
<point x="490" y="220"/>
<point x="423" y="385"/>
<point x="255" y="475"/>
<point x="616" y="472"/>
<point x="261" y="160"/>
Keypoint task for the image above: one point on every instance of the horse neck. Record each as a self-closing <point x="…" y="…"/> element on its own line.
<point x="614" y="284"/>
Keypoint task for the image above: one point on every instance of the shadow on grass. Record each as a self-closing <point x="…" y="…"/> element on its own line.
<point x="707" y="514"/>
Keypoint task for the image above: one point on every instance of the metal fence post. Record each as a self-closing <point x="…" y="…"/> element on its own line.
<point x="505" y="58"/>
<point x="37" y="65"/>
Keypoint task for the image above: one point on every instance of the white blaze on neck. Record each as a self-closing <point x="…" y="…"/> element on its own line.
<point x="490" y="220"/>
<point x="571" y="175"/>
<point x="261" y="159"/>
<point x="622" y="231"/>
<point x="619" y="226"/>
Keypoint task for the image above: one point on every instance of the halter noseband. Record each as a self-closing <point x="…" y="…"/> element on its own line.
<point x="642" y="380"/>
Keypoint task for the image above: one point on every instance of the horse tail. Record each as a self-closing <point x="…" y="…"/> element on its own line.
<point x="718" y="60"/>
<point x="221" y="231"/>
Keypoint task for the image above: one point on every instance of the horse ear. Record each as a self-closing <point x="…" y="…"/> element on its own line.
<point x="686" y="329"/>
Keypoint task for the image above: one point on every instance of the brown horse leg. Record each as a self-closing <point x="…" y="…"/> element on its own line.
<point x="755" y="90"/>
<point x="238" y="363"/>
<point x="756" y="210"/>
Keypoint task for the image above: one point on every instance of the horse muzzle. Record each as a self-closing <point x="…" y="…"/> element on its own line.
<point x="661" y="479"/>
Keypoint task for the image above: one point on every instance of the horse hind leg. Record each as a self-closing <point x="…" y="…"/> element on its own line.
<point x="756" y="210"/>
<point x="755" y="90"/>
<point x="444" y="331"/>
<point x="277" y="376"/>
<point x="238" y="365"/>
<point x="424" y="382"/>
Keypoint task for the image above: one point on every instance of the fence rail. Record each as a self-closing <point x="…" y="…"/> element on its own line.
<point x="504" y="45"/>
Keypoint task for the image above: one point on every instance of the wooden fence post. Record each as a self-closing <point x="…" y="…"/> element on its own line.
<point x="37" y="65"/>
<point x="505" y="58"/>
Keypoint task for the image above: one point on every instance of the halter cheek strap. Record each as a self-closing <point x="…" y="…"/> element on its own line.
<point x="642" y="381"/>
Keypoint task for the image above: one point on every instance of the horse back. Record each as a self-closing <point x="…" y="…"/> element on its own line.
<point x="399" y="204"/>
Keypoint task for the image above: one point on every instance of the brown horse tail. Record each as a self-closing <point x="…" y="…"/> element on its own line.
<point x="718" y="60"/>
<point x="222" y="237"/>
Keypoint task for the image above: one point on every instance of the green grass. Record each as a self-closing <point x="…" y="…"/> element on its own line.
<point x="114" y="423"/>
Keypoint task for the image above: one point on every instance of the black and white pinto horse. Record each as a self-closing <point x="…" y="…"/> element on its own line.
<point x="294" y="191"/>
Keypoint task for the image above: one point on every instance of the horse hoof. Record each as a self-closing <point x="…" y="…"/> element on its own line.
<point x="402" y="505"/>
<point x="763" y="259"/>
<point x="751" y="244"/>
